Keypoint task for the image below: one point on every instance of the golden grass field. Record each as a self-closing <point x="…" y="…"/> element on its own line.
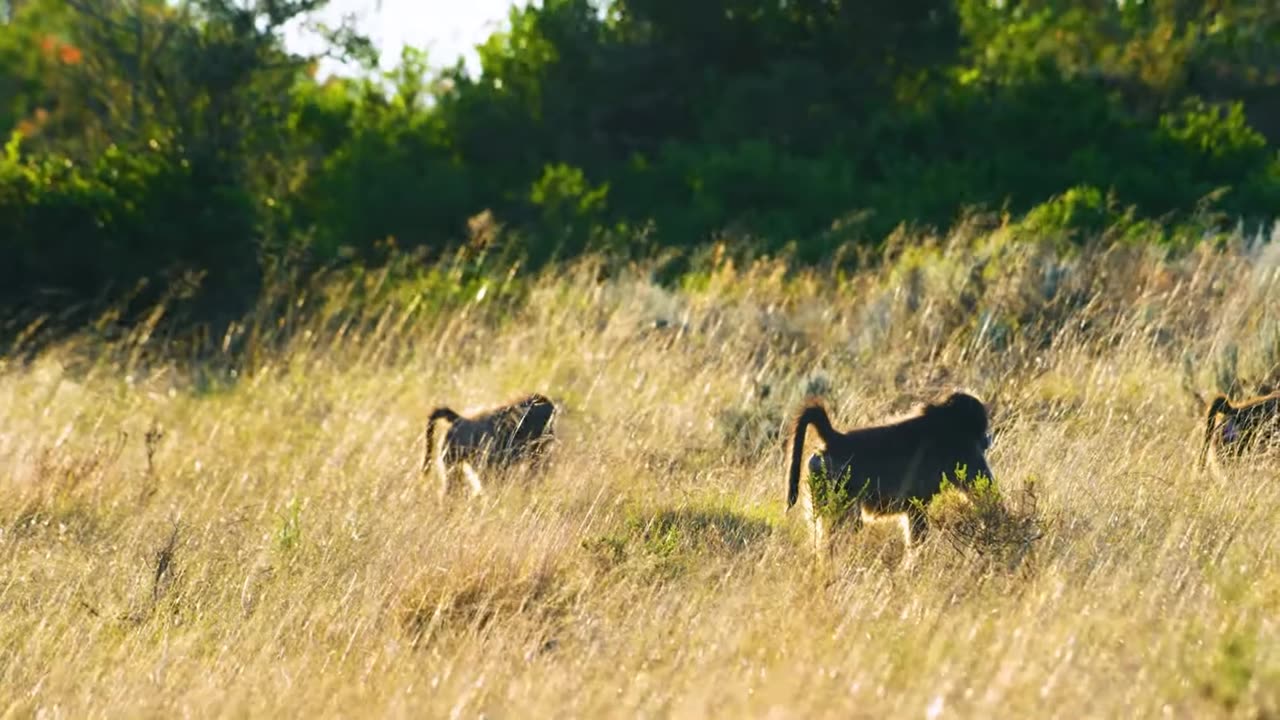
<point x="249" y="536"/>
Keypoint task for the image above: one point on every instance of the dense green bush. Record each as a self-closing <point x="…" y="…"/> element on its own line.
<point x="385" y="168"/>
<point x="639" y="127"/>
<point x="72" y="231"/>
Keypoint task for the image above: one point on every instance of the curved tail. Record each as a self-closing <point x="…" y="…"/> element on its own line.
<point x="440" y="413"/>
<point x="1219" y="405"/>
<point x="816" y="415"/>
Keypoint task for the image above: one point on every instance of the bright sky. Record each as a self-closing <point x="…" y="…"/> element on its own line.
<point x="447" y="29"/>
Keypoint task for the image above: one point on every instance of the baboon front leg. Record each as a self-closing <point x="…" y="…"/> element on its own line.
<point x="538" y="455"/>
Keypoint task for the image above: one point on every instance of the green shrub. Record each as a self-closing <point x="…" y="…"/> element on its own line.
<point x="70" y="230"/>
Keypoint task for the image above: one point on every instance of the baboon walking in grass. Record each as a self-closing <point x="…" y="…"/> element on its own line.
<point x="895" y="468"/>
<point x="1233" y="430"/>
<point x="496" y="438"/>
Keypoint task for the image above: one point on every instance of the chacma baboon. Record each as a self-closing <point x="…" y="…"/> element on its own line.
<point x="883" y="469"/>
<point x="1233" y="430"/>
<point x="499" y="437"/>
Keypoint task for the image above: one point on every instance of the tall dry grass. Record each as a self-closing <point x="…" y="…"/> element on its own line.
<point x="248" y="535"/>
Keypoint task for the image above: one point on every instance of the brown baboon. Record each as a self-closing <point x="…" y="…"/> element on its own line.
<point x="883" y="469"/>
<point x="499" y="437"/>
<point x="1233" y="430"/>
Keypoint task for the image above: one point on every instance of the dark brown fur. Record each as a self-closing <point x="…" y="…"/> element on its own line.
<point x="892" y="464"/>
<point x="500" y="437"/>
<point x="1243" y="427"/>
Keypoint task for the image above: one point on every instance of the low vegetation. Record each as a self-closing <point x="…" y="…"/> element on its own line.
<point x="244" y="530"/>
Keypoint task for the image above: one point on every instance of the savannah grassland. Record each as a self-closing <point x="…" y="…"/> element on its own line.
<point x="249" y="536"/>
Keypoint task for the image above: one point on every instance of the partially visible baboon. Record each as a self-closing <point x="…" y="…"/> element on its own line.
<point x="884" y="469"/>
<point x="500" y="437"/>
<point x="1232" y="430"/>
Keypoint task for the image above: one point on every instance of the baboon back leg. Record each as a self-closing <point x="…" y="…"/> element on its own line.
<point x="917" y="526"/>
<point x="473" y="478"/>
<point x="442" y="474"/>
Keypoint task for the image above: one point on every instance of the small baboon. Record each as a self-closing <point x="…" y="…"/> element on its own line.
<point x="1233" y="430"/>
<point x="884" y="469"/>
<point x="499" y="437"/>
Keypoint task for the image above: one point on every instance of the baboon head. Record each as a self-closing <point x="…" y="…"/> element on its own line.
<point x="961" y="416"/>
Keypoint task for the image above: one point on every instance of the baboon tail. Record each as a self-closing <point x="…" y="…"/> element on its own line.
<point x="440" y="413"/>
<point x="430" y="445"/>
<point x="813" y="414"/>
<point x="1219" y="405"/>
<point x="443" y="413"/>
